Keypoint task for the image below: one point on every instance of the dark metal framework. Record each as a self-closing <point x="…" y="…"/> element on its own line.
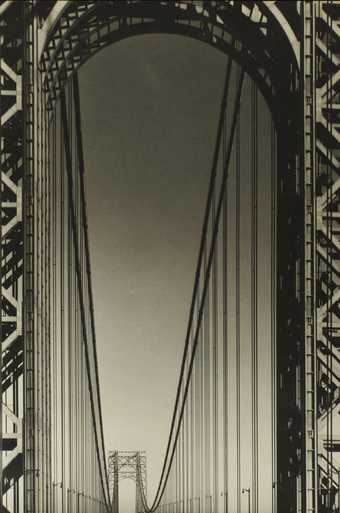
<point x="291" y="50"/>
<point x="127" y="465"/>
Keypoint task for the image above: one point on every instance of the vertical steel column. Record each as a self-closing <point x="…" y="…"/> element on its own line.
<point x="115" y="497"/>
<point x="309" y="478"/>
<point x="11" y="154"/>
<point x="30" y="160"/>
<point x="127" y="465"/>
<point x="327" y="48"/>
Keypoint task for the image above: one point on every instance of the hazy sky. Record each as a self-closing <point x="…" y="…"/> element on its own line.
<point x="150" y="109"/>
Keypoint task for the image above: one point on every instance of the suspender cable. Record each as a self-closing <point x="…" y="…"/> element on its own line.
<point x="55" y="319"/>
<point x="191" y="448"/>
<point x="237" y="338"/>
<point x="62" y="318"/>
<point x="206" y="391"/>
<point x="201" y="418"/>
<point x="199" y="410"/>
<point x="49" y="243"/>
<point x="39" y="354"/>
<point x="186" y="453"/>
<point x="177" y="472"/>
<point x="69" y="338"/>
<point x="76" y="353"/>
<point x="272" y="169"/>
<point x="254" y="313"/>
<point x="48" y="275"/>
<point x="75" y="347"/>
<point x="42" y="291"/>
<point x="225" y="333"/>
<point x="214" y="502"/>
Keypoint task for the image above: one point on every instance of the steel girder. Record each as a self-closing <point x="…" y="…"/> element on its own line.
<point x="22" y="165"/>
<point x="75" y="31"/>
<point x="12" y="247"/>
<point x="325" y="145"/>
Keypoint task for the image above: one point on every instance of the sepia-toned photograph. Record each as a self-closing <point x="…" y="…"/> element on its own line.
<point x="170" y="256"/>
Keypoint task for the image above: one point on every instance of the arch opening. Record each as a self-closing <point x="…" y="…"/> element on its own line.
<point x="128" y="93"/>
<point x="73" y="42"/>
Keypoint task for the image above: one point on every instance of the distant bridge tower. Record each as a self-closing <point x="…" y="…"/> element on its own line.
<point x="127" y="465"/>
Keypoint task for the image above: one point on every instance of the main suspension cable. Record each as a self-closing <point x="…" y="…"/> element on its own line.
<point x="196" y="279"/>
<point x="235" y="118"/>
<point x="80" y="287"/>
<point x="87" y="253"/>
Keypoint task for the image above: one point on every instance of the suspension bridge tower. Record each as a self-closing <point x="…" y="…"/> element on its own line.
<point x="127" y="465"/>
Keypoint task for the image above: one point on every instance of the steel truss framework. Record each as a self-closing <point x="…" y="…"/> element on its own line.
<point x="127" y="465"/>
<point x="292" y="51"/>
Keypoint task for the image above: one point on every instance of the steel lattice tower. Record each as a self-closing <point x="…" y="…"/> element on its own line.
<point x="127" y="465"/>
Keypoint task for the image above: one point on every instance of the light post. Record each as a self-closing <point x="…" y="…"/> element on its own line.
<point x="225" y="495"/>
<point x="208" y="502"/>
<point x="79" y="494"/>
<point x="247" y="490"/>
<point x="54" y="494"/>
<point x="68" y="499"/>
<point x="199" y="504"/>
